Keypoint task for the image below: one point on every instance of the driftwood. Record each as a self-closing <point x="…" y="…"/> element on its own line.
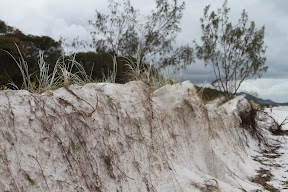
<point x="279" y="126"/>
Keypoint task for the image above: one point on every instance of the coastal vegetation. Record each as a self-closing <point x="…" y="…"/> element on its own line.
<point x="236" y="52"/>
<point x="126" y="49"/>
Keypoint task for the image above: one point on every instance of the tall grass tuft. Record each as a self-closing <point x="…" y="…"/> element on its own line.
<point x="45" y="80"/>
<point x="111" y="76"/>
<point x="68" y="71"/>
<point x="136" y="70"/>
<point x="65" y="72"/>
<point x="23" y="67"/>
<point x="146" y="72"/>
<point x="71" y="72"/>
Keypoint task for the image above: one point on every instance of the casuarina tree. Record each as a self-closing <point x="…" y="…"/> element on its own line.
<point x="236" y="51"/>
<point x="124" y="29"/>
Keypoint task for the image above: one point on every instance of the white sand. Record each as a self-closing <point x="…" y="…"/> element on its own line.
<point x="109" y="137"/>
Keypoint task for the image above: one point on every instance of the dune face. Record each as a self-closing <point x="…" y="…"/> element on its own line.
<point x="110" y="137"/>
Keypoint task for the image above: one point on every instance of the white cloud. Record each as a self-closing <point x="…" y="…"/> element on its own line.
<point x="62" y="28"/>
<point x="274" y="89"/>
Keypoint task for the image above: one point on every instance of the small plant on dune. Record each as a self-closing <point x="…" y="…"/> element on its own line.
<point x="111" y="76"/>
<point x="43" y="72"/>
<point x="157" y="78"/>
<point x="3" y="87"/>
<point x="71" y="72"/>
<point x="207" y="94"/>
<point x="23" y="67"/>
<point x="31" y="181"/>
<point x="68" y="71"/>
<point x="45" y="81"/>
<point x="136" y="70"/>
<point x="145" y="72"/>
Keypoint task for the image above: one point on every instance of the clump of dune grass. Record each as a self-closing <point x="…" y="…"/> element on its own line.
<point x="23" y="67"/>
<point x="207" y="94"/>
<point x="136" y="69"/>
<point x="139" y="71"/>
<point x="68" y="71"/>
<point x="71" y="72"/>
<point x="65" y="72"/>
<point x="111" y="76"/>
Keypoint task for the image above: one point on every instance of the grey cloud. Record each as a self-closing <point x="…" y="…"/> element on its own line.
<point x="263" y="13"/>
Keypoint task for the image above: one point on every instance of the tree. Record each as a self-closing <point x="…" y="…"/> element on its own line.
<point x="236" y="52"/>
<point x="5" y="29"/>
<point x="124" y="29"/>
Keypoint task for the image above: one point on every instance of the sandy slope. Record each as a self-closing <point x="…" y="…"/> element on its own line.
<point x="108" y="137"/>
<point x="275" y="160"/>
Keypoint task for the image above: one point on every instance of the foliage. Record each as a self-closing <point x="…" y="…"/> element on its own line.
<point x="136" y="68"/>
<point x="150" y="75"/>
<point x="124" y="29"/>
<point x="99" y="65"/>
<point x="236" y="52"/>
<point x="207" y="94"/>
<point x="29" y="46"/>
<point x="23" y="67"/>
<point x="111" y="76"/>
<point x="69" y="71"/>
<point x="32" y="72"/>
<point x="66" y="71"/>
<point x="5" y="29"/>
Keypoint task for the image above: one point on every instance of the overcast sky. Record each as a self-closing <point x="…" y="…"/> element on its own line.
<point x="69" y="19"/>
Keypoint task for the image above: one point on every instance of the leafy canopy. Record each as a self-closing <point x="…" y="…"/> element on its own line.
<point x="236" y="52"/>
<point x="121" y="31"/>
